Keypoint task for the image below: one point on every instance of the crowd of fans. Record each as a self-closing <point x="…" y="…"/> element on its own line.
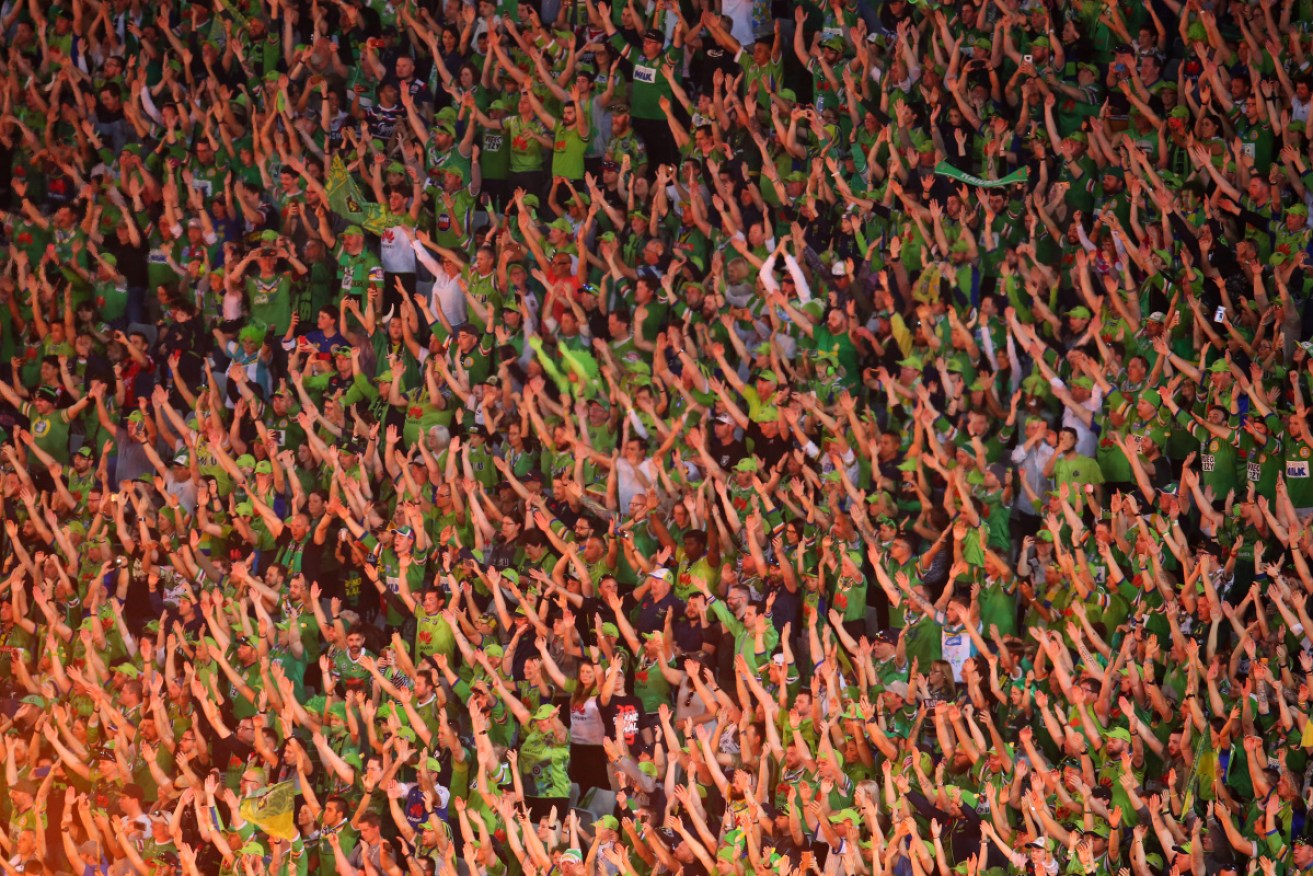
<point x="489" y="438"/>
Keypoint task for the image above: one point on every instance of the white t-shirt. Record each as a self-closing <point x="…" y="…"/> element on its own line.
<point x="448" y="293"/>
<point x="957" y="648"/>
<point x="630" y="485"/>
<point x="740" y="13"/>
<point x="586" y="723"/>
<point x="1087" y="443"/>
<point x="395" y="252"/>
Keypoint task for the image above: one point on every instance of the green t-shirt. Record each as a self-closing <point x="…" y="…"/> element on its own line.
<point x="494" y="154"/>
<point x="568" y="152"/>
<point x="526" y="151"/>
<point x="432" y="635"/>
<point x="50" y="433"/>
<point x="1076" y="471"/>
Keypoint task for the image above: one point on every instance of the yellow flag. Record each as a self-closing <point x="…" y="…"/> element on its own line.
<point x="1306" y="741"/>
<point x="346" y="200"/>
<point x="272" y="809"/>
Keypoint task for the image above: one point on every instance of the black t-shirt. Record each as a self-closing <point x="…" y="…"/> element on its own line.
<point x="652" y="614"/>
<point x="726" y="453"/>
<point x="771" y="450"/>
<point x="141" y="605"/>
<point x="630" y="708"/>
<point x="689" y="635"/>
<point x="131" y="260"/>
<point x="319" y="561"/>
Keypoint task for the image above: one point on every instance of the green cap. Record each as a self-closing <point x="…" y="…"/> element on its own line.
<point x="545" y="713"/>
<point x="1118" y="733"/>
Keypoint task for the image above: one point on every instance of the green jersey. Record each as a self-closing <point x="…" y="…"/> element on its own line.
<point x="649" y="86"/>
<point x="271" y="301"/>
<point x="1299" y="483"/>
<point x="358" y="272"/>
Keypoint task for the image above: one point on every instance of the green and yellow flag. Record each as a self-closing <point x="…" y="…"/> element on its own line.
<point x="346" y="200"/>
<point x="272" y="810"/>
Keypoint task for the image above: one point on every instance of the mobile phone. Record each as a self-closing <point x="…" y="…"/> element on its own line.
<point x="1220" y="314"/>
<point x="1029" y="59"/>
